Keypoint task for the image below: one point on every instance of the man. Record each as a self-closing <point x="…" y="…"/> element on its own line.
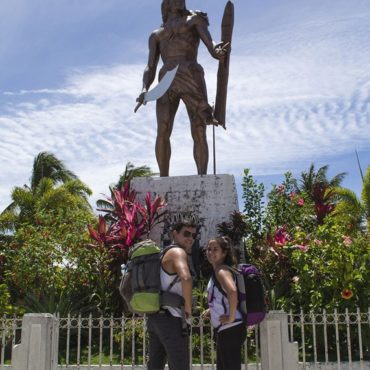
<point x="177" y="42"/>
<point x="167" y="337"/>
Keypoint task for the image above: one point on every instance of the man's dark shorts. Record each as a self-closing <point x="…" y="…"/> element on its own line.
<point x="167" y="342"/>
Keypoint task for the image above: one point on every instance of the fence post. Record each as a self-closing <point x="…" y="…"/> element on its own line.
<point x="277" y="353"/>
<point x="38" y="349"/>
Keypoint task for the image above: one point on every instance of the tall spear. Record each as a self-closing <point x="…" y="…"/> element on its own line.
<point x="359" y="165"/>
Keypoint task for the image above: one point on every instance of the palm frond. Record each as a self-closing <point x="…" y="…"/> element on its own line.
<point x="337" y="179"/>
<point x="365" y="195"/>
<point x="56" y="199"/>
<point x="46" y="184"/>
<point x="313" y="179"/>
<point x="46" y="164"/>
<point x="320" y="175"/>
<point x="79" y="190"/>
<point x="131" y="172"/>
<point x="348" y="205"/>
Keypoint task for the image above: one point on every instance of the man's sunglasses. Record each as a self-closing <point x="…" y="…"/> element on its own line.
<point x="188" y="234"/>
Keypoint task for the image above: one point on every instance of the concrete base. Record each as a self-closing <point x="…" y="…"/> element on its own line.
<point x="208" y="200"/>
<point x="277" y="353"/>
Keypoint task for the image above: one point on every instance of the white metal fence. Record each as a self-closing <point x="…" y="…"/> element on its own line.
<point x="332" y="338"/>
<point x="124" y="340"/>
<point x="326" y="341"/>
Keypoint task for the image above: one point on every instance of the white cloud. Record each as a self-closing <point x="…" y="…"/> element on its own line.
<point x="297" y="92"/>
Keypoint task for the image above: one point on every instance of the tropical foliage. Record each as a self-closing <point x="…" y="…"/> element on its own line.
<point x="310" y="240"/>
<point x="44" y="233"/>
<point x="309" y="235"/>
<point x="50" y="261"/>
<point x="51" y="186"/>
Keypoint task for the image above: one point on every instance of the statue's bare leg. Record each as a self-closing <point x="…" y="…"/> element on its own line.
<point x="200" y="150"/>
<point x="166" y="111"/>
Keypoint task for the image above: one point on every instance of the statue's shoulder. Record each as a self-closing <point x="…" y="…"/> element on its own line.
<point x="156" y="34"/>
<point x="198" y="17"/>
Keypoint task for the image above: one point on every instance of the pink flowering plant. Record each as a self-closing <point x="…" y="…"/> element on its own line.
<point x="312" y="257"/>
<point x="329" y="268"/>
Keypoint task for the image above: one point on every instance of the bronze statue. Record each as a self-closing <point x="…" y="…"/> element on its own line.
<point x="176" y="42"/>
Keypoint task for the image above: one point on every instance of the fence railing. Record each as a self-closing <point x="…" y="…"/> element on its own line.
<point x="10" y="334"/>
<point x="124" y="341"/>
<point x="325" y="340"/>
<point x="332" y="337"/>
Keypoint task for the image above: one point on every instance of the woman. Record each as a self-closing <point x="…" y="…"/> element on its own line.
<point x="222" y="302"/>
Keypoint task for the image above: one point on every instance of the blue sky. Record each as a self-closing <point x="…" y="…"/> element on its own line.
<point x="299" y="89"/>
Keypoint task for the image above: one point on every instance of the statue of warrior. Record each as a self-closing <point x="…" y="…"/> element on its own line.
<point x="176" y="41"/>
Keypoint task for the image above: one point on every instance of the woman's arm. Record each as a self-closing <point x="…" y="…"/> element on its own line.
<point x="226" y="280"/>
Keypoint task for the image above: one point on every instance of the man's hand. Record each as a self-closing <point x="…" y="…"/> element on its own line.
<point x="206" y="314"/>
<point x="187" y="314"/>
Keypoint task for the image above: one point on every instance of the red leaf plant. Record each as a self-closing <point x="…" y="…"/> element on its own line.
<point x="322" y="196"/>
<point x="126" y="221"/>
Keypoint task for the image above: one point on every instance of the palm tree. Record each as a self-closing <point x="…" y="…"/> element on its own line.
<point x="126" y="177"/>
<point x="45" y="165"/>
<point x="349" y="208"/>
<point x="366" y="191"/>
<point x="48" y="165"/>
<point x="352" y="208"/>
<point x="320" y="189"/>
<point x="131" y="171"/>
<point x="365" y="196"/>
<point x="311" y="179"/>
<point x="52" y="185"/>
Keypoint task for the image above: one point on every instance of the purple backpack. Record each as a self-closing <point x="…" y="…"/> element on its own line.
<point x="252" y="301"/>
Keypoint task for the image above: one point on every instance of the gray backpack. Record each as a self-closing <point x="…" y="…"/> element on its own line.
<point x="140" y="285"/>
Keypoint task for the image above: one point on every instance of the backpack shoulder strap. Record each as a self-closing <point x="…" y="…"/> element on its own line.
<point x="217" y="284"/>
<point x="166" y="249"/>
<point x="233" y="271"/>
<point x="224" y="295"/>
<point x="163" y="252"/>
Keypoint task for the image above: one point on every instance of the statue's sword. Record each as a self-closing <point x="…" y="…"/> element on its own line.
<point x="159" y="90"/>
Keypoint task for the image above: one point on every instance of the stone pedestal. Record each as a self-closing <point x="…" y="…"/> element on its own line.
<point x="208" y="200"/>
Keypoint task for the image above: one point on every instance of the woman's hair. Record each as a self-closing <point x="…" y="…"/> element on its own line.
<point x="226" y="245"/>
<point x="166" y="7"/>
